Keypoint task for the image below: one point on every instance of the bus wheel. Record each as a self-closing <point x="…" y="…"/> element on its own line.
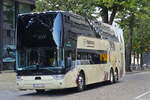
<point x="111" y="77"/>
<point x="81" y="82"/>
<point x="40" y="91"/>
<point x="116" y="76"/>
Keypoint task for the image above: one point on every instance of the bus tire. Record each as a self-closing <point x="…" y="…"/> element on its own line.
<point x="116" y="76"/>
<point x="40" y="91"/>
<point x="111" y="77"/>
<point x="81" y="82"/>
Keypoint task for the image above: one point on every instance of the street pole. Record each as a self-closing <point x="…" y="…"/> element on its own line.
<point x="1" y="35"/>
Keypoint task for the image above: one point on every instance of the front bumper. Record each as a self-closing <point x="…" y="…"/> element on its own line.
<point x="29" y="83"/>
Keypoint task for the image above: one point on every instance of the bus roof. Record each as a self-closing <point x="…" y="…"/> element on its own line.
<point x="44" y="12"/>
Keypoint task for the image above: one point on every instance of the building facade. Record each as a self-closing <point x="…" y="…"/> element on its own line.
<point x="10" y="10"/>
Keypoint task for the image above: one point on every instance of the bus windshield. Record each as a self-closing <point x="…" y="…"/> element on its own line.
<point x="41" y="57"/>
<point x="39" y="40"/>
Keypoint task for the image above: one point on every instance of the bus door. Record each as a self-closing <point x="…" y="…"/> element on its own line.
<point x="70" y="57"/>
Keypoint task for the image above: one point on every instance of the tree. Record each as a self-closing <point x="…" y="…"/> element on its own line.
<point x="141" y="39"/>
<point x="112" y="7"/>
<point x="77" y="6"/>
<point x="129" y="17"/>
<point x="86" y="8"/>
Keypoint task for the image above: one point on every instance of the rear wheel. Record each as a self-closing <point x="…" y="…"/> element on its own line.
<point x="111" y="77"/>
<point x="116" y="76"/>
<point x="81" y="82"/>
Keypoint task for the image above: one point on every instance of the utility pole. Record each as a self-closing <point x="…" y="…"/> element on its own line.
<point x="1" y="35"/>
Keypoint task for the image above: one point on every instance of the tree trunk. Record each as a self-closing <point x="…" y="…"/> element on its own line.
<point x="126" y="57"/>
<point x="134" y="58"/>
<point x="104" y="14"/>
<point x="129" y="45"/>
<point x="137" y="60"/>
<point x="1" y="34"/>
<point x="113" y="14"/>
<point x="141" y="62"/>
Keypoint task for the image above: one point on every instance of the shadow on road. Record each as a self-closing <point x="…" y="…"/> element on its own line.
<point x="70" y="91"/>
<point x="51" y="93"/>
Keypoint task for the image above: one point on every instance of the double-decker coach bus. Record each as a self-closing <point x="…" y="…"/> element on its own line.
<point x="57" y="50"/>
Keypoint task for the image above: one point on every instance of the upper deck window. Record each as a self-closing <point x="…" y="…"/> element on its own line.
<point x="39" y="30"/>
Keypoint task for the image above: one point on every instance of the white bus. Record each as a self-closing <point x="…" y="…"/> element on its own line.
<point x="57" y="50"/>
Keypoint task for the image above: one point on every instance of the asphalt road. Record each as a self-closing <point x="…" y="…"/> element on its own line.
<point x="132" y="87"/>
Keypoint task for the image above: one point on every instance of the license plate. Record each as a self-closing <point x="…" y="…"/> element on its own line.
<point x="38" y="85"/>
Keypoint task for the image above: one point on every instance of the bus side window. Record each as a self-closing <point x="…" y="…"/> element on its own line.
<point x="96" y="59"/>
<point x="103" y="58"/>
<point x="79" y="56"/>
<point x="70" y="56"/>
<point x="92" y="58"/>
<point x="69" y="60"/>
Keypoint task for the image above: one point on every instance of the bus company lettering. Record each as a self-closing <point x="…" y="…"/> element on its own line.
<point x="89" y="43"/>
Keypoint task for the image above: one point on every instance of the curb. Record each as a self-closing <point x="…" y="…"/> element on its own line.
<point x="8" y="71"/>
<point x="140" y="71"/>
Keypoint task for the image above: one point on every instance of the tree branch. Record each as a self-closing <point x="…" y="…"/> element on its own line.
<point x="104" y="14"/>
<point x="113" y="14"/>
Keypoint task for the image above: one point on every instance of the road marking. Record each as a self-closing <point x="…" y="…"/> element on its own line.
<point x="138" y="97"/>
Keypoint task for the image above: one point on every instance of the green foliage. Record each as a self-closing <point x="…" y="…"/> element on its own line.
<point x="86" y="8"/>
<point x="112" y="6"/>
<point x="141" y="38"/>
<point x="141" y="34"/>
<point x="110" y="3"/>
<point x="77" y="6"/>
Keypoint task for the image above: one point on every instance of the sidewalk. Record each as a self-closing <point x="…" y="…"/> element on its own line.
<point x="8" y="71"/>
<point x="138" y="71"/>
<point x="7" y="81"/>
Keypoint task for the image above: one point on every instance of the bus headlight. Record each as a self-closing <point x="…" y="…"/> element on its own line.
<point x="58" y="77"/>
<point x="20" y="77"/>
